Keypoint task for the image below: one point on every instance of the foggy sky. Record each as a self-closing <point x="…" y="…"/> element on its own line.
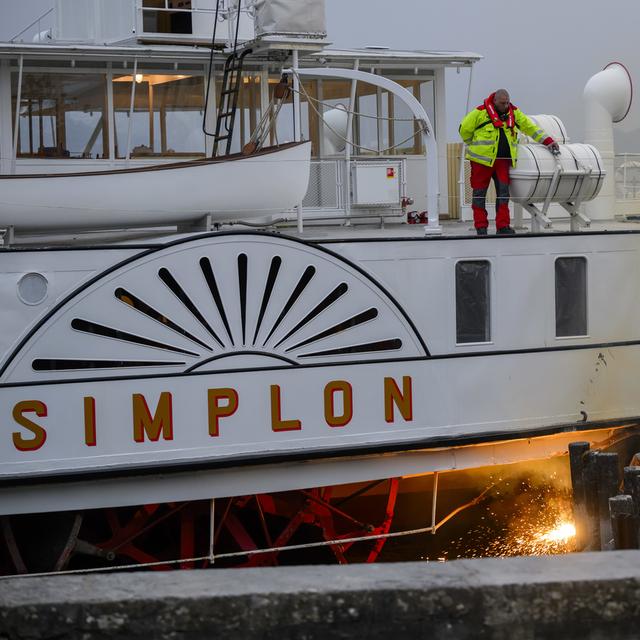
<point x="543" y="52"/>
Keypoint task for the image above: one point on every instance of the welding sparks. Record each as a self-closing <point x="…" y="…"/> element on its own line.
<point x="528" y="519"/>
<point x="560" y="534"/>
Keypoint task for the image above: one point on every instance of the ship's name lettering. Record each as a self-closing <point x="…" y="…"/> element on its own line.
<point x="152" y="425"/>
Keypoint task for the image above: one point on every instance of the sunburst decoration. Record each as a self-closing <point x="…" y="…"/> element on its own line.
<point x="199" y="304"/>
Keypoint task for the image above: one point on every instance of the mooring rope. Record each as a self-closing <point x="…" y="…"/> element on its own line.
<point x="234" y="554"/>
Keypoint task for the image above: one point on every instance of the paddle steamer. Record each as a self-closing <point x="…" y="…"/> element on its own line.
<point x="203" y="304"/>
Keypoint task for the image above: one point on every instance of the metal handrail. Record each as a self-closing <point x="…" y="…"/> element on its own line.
<point x="36" y="21"/>
<point x="248" y="9"/>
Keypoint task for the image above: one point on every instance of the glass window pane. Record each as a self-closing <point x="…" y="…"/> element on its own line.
<point x="473" y="302"/>
<point x="571" y="297"/>
<point x="167" y="116"/>
<point x="61" y="115"/>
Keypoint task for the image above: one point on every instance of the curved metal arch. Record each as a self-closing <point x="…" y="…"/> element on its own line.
<point x="418" y="112"/>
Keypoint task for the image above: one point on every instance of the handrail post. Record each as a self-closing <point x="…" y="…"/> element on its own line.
<point x="349" y="145"/>
<point x="131" y="109"/>
<point x="16" y="126"/>
<point x="297" y="121"/>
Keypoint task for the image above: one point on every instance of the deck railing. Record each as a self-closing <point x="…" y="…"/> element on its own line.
<point x="627" y="175"/>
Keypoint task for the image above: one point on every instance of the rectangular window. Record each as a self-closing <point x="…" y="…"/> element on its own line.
<point x="167" y="16"/>
<point x="571" y="297"/>
<point x="167" y="114"/>
<point x="61" y="115"/>
<point x="473" y="301"/>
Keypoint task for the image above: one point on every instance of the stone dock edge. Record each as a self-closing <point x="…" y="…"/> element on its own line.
<point x="585" y="596"/>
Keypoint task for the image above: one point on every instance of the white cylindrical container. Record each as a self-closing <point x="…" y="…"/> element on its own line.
<point x="608" y="97"/>
<point x="551" y="125"/>
<point x="533" y="176"/>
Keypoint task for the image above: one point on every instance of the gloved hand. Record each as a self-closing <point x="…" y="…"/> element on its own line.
<point x="552" y="145"/>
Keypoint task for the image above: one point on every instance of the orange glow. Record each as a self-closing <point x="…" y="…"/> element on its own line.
<point x="562" y="533"/>
<point x="152" y="79"/>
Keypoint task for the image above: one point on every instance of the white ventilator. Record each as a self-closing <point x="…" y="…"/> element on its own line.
<point x="335" y="129"/>
<point x="607" y="95"/>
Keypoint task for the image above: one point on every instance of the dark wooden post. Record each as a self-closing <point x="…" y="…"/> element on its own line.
<point x="577" y="451"/>
<point x="623" y="522"/>
<point x="632" y="488"/>
<point x="608" y="486"/>
<point x="590" y="479"/>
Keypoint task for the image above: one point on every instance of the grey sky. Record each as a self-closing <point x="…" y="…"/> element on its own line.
<point x="543" y="52"/>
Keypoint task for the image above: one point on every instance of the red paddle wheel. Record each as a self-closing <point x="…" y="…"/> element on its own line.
<point x="248" y="531"/>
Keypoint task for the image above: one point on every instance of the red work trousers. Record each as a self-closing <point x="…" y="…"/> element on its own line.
<point x="481" y="175"/>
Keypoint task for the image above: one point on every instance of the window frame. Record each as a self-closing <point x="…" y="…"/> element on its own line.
<point x="490" y="305"/>
<point x="585" y="261"/>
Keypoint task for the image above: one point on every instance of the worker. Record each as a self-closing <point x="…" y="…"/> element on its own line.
<point x="489" y="131"/>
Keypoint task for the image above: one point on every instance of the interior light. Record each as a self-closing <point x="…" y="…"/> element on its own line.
<point x="139" y="78"/>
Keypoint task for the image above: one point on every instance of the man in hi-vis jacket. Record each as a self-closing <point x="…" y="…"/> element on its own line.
<point x="489" y="131"/>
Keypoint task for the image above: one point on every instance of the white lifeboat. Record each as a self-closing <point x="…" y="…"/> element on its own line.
<point x="234" y="187"/>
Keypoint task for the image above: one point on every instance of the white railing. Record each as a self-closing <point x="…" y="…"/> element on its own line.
<point x="627" y="176"/>
<point x="40" y="34"/>
<point x="326" y="186"/>
<point x="328" y="194"/>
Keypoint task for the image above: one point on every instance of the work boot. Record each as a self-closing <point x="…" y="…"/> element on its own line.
<point x="506" y="231"/>
<point x="481" y="231"/>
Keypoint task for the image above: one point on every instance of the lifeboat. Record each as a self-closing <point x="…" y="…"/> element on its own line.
<point x="166" y="194"/>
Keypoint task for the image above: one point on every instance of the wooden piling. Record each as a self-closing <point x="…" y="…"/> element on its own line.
<point x="590" y="480"/>
<point x="608" y="486"/>
<point x="632" y="486"/>
<point x="624" y="522"/>
<point x="577" y="451"/>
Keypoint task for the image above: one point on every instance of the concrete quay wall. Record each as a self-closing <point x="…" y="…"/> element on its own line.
<point x="586" y="596"/>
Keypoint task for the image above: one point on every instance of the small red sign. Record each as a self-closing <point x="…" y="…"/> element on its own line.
<point x="391" y="172"/>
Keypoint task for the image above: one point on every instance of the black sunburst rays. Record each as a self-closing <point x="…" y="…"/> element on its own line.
<point x="291" y="316"/>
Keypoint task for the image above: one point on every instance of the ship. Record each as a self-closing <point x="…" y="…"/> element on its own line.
<point x="241" y="287"/>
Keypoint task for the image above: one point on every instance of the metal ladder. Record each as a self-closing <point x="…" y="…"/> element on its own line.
<point x="231" y="82"/>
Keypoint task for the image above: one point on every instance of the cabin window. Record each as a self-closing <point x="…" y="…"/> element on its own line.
<point x="61" y="115"/>
<point x="571" y="297"/>
<point x="473" y="301"/>
<point x="166" y="16"/>
<point x="167" y="114"/>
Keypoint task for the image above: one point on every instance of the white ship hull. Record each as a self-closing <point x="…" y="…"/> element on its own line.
<point x="193" y="361"/>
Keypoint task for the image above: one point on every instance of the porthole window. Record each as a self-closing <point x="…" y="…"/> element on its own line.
<point x="473" y="301"/>
<point x="32" y="288"/>
<point x="571" y="297"/>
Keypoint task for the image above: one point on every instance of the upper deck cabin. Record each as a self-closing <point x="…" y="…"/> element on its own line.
<point x="105" y="83"/>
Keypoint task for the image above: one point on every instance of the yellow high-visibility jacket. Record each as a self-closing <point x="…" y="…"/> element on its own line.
<point x="481" y="137"/>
